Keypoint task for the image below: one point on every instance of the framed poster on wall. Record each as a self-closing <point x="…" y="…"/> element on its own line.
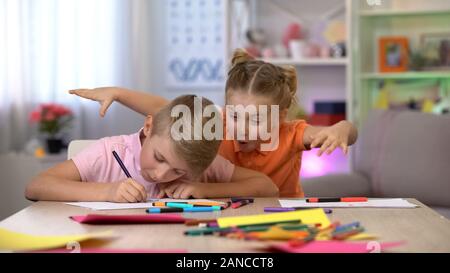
<point x="196" y="43"/>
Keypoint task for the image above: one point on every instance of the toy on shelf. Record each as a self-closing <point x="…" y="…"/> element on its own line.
<point x="327" y="113"/>
<point x="415" y="95"/>
<point x="329" y="37"/>
<point x="293" y="40"/>
<point x="338" y="50"/>
<point x="257" y="41"/>
<point x="292" y="32"/>
<point x="335" y="32"/>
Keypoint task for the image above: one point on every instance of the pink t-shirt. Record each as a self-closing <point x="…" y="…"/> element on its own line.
<point x="96" y="163"/>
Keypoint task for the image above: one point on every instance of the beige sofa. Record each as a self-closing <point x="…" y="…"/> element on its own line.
<point x="398" y="154"/>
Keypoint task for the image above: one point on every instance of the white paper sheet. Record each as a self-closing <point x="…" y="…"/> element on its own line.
<point x="117" y="206"/>
<point x="371" y="203"/>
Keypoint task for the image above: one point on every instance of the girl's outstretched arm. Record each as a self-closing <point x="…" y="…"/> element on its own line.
<point x="141" y="102"/>
<point x="341" y="134"/>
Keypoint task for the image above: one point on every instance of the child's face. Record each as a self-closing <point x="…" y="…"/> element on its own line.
<point x="244" y="99"/>
<point x="159" y="162"/>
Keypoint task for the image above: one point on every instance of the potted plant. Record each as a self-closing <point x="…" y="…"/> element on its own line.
<point x="52" y="120"/>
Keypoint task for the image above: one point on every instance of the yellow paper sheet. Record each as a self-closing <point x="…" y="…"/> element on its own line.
<point x="310" y="216"/>
<point x="14" y="241"/>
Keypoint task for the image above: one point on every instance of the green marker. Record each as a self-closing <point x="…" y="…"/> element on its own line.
<point x="206" y="231"/>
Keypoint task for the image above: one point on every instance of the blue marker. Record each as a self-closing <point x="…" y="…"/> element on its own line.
<point x="194" y="209"/>
<point x="346" y="227"/>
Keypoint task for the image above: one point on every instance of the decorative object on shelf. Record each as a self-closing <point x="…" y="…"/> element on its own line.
<point x="253" y="51"/>
<point x="335" y="32"/>
<point x="280" y="51"/>
<point x="442" y="106"/>
<point x="412" y="104"/>
<point x="382" y="102"/>
<point x="52" y="119"/>
<point x="417" y="60"/>
<point x="293" y="32"/>
<point x="257" y="40"/>
<point x="311" y="50"/>
<point x="427" y="106"/>
<point x="327" y="113"/>
<point x="417" y="95"/>
<point x="268" y="53"/>
<point x="297" y="48"/>
<point x="338" y="50"/>
<point x="393" y="54"/>
<point x="435" y="48"/>
<point x="325" y="51"/>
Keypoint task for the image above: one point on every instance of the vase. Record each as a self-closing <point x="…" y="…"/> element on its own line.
<point x="297" y="48"/>
<point x="54" y="145"/>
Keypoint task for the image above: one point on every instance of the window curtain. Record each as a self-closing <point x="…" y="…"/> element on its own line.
<point x="48" y="47"/>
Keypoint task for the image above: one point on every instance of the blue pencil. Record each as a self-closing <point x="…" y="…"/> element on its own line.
<point x="194" y="209"/>
<point x="121" y="164"/>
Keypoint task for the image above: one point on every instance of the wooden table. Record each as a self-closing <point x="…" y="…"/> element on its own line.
<point x="423" y="229"/>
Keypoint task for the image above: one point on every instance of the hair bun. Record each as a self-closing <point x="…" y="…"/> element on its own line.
<point x="290" y="76"/>
<point x="240" y="56"/>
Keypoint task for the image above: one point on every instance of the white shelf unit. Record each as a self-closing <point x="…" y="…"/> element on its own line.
<point x="378" y="13"/>
<point x="406" y="75"/>
<point x="340" y="67"/>
<point x="308" y="61"/>
<point x="396" y="18"/>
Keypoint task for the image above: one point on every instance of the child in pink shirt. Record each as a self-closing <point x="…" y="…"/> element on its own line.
<point x="158" y="164"/>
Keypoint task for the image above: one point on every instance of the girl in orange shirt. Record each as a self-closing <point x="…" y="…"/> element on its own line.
<point x="252" y="82"/>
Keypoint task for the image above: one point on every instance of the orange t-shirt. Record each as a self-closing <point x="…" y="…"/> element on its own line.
<point x="281" y="165"/>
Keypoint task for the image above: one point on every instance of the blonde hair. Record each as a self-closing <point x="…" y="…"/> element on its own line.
<point x="260" y="78"/>
<point x="198" y="154"/>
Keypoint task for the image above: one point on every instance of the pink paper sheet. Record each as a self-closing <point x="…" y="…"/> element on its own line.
<point x="104" y="219"/>
<point x="335" y="247"/>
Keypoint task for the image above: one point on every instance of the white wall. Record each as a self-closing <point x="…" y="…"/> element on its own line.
<point x="157" y="59"/>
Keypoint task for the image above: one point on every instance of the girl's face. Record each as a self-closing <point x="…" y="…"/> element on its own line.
<point x="252" y="122"/>
<point x="159" y="162"/>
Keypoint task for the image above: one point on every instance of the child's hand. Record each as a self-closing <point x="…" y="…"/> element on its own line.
<point x="104" y="95"/>
<point x="332" y="137"/>
<point x="127" y="191"/>
<point x="181" y="190"/>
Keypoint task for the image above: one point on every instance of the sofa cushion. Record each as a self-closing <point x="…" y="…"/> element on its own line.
<point x="337" y="185"/>
<point x="367" y="146"/>
<point x="409" y="156"/>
